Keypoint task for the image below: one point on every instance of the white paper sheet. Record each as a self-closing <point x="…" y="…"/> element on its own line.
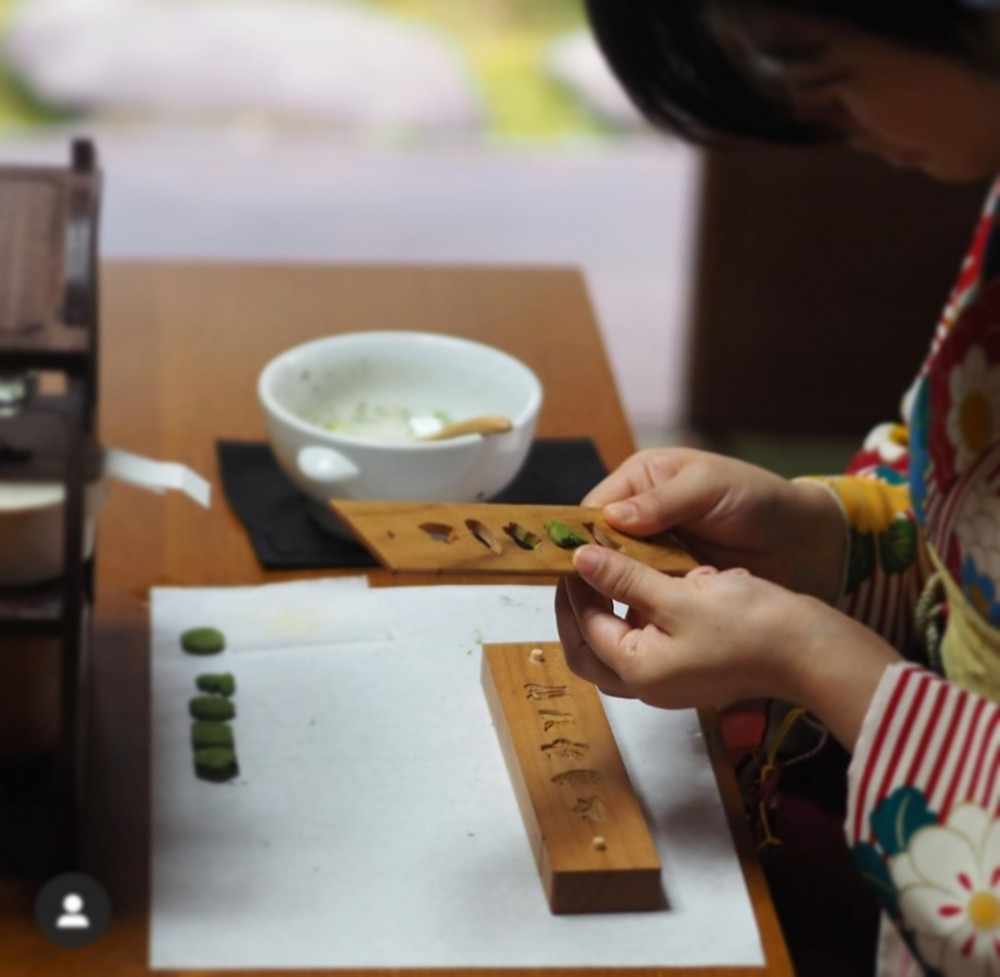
<point x="373" y="823"/>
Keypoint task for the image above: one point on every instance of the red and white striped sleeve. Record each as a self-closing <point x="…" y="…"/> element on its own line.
<point x="923" y="817"/>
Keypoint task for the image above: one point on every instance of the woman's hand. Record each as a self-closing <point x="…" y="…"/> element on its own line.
<point x="732" y="514"/>
<point x="711" y="639"/>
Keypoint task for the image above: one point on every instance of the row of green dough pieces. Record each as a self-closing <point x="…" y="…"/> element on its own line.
<point x="211" y="734"/>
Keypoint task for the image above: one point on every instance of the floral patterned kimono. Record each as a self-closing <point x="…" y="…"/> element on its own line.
<point x="922" y="502"/>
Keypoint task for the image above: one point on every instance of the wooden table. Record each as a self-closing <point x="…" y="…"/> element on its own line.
<point x="181" y="349"/>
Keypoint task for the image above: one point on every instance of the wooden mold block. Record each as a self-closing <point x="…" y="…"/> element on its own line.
<point x="587" y="831"/>
<point x="444" y="537"/>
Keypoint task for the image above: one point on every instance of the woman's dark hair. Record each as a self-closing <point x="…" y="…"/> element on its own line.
<point x="675" y="70"/>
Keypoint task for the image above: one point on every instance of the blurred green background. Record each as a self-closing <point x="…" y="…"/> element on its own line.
<point x="18" y="107"/>
<point x="505" y="44"/>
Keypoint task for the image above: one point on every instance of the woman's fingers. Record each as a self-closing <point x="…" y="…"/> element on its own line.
<point x="573" y="601"/>
<point x="617" y="577"/>
<point x="622" y="483"/>
<point x="682" y="501"/>
<point x="639" y="651"/>
<point x="625" y="649"/>
<point x="640" y="473"/>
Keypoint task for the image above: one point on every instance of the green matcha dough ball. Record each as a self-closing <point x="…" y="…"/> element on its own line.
<point x="203" y="641"/>
<point x="206" y="733"/>
<point x="563" y="535"/>
<point x="215" y="763"/>
<point x="211" y="707"/>
<point x="224" y="684"/>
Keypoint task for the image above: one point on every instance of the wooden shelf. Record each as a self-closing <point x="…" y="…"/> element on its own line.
<point x="32" y="816"/>
<point x="35" y="443"/>
<point x="40" y="205"/>
<point x="48" y="324"/>
<point x="25" y="783"/>
<point x="36" y="610"/>
<point x="52" y="347"/>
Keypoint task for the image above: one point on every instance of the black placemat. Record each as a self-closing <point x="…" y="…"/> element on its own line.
<point x="286" y="537"/>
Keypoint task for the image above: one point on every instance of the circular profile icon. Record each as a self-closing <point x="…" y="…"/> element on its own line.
<point x="72" y="910"/>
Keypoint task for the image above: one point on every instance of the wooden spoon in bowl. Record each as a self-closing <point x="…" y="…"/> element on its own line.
<point x="490" y="424"/>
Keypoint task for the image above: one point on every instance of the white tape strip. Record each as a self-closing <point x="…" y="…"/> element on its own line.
<point x="157" y="476"/>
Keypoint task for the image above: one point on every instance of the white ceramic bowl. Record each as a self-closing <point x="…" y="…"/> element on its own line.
<point x="342" y="413"/>
<point x="31" y="529"/>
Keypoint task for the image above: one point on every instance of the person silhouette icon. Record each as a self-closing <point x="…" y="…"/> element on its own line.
<point x="60" y="913"/>
<point x="72" y="918"/>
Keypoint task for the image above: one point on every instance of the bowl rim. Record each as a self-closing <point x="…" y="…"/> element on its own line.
<point x="273" y="365"/>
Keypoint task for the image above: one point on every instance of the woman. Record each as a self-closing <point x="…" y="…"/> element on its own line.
<point x="818" y="592"/>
